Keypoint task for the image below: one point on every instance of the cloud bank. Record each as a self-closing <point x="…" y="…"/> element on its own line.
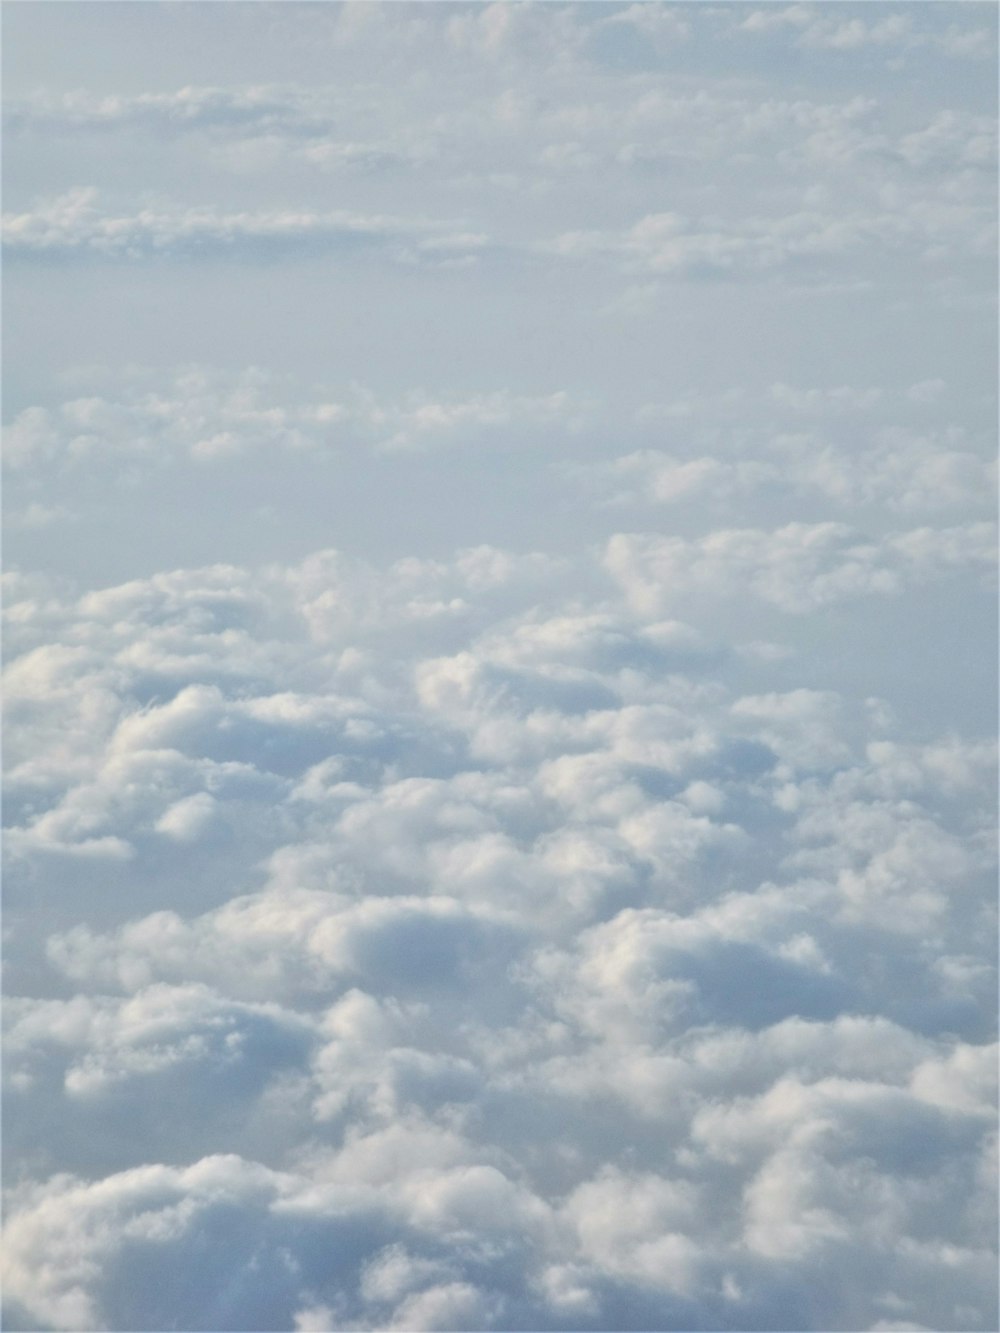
<point x="499" y="681"/>
<point x="567" y="885"/>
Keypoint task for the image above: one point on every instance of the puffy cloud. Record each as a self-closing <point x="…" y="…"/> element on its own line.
<point x="500" y="798"/>
<point x="186" y="818"/>
<point x="307" y="941"/>
<point x="440" y="1228"/>
<point x="798" y="568"/>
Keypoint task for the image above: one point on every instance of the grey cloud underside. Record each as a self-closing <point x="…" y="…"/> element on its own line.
<point x="500" y="695"/>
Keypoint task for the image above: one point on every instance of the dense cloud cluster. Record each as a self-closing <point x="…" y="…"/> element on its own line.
<point x="499" y="784"/>
<point x="459" y="958"/>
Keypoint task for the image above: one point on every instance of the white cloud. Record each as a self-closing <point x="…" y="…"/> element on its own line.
<point x="186" y="819"/>
<point x="74" y="223"/>
<point x="209" y="417"/>
<point x="225" y="110"/>
<point x="822" y="31"/>
<point x="798" y="568"/>
<point x="668" y="244"/>
<point x="499" y="785"/>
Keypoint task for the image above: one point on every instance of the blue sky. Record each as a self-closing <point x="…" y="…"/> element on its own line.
<point x="500" y="663"/>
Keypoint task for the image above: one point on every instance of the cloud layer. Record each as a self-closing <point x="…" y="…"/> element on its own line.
<point x="500" y="763"/>
<point x="569" y="884"/>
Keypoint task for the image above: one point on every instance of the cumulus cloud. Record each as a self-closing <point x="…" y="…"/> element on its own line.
<point x="570" y="885"/>
<point x="798" y="568"/>
<point x="901" y="471"/>
<point x="500" y="776"/>
<point x="534" y="962"/>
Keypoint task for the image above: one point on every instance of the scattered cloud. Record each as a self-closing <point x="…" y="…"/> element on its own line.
<point x="75" y="224"/>
<point x="205" y="416"/>
<point x="664" y="244"/>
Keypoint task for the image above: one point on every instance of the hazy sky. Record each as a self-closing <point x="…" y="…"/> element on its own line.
<point x="500" y="666"/>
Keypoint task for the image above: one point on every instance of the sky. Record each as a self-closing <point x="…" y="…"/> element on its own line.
<point x="500" y="666"/>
